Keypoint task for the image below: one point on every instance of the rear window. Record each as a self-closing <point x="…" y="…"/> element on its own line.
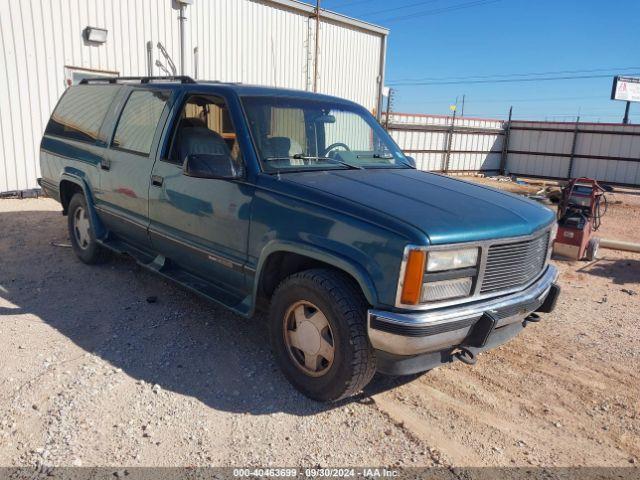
<point x="81" y="111"/>
<point x="139" y="120"/>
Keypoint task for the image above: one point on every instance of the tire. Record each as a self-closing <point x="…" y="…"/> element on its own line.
<point x="81" y="233"/>
<point x="340" y="301"/>
<point x="591" y="251"/>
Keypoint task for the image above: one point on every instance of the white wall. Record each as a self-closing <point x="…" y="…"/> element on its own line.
<point x="249" y="41"/>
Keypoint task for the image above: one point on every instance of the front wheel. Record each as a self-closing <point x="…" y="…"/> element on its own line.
<point x="318" y="334"/>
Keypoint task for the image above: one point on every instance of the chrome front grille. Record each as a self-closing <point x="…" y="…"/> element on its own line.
<point x="512" y="265"/>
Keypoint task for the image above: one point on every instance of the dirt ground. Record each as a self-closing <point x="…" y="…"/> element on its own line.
<point x="93" y="374"/>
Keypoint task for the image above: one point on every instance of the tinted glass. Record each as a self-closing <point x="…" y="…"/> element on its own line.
<point x="81" y="111"/>
<point x="138" y="121"/>
<point x="303" y="133"/>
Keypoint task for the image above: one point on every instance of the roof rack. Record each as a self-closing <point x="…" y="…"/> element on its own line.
<point x="177" y="78"/>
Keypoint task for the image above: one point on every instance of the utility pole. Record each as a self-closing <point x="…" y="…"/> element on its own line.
<point x="317" y="49"/>
<point x="462" y="110"/>
<point x="625" y="120"/>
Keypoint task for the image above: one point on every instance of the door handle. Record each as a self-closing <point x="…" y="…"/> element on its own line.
<point x="105" y="164"/>
<point x="156" y="180"/>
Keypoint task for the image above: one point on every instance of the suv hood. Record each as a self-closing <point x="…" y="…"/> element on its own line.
<point x="447" y="210"/>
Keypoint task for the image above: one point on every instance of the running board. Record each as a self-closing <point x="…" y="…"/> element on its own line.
<point x="167" y="269"/>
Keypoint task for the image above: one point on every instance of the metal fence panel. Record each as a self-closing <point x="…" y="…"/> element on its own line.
<point x="558" y="150"/>
<point x="440" y="143"/>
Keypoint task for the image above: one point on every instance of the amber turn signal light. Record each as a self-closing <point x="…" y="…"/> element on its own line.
<point x="413" y="274"/>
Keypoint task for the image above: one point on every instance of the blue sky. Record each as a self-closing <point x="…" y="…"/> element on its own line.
<point x="435" y="41"/>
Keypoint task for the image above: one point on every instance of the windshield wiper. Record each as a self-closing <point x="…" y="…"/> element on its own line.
<point x="375" y="155"/>
<point x="300" y="156"/>
<point x="385" y="157"/>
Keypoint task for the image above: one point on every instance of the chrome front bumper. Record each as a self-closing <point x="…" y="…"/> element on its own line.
<point x="421" y="332"/>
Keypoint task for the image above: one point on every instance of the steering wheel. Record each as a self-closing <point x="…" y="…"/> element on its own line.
<point x="334" y="146"/>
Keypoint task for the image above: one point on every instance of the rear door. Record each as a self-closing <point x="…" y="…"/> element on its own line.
<point x="123" y="200"/>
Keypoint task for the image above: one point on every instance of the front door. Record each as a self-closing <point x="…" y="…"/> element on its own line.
<point x="123" y="197"/>
<point x="202" y="224"/>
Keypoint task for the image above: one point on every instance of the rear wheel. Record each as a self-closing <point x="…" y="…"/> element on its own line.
<point x="592" y="249"/>
<point x="318" y="334"/>
<point x="81" y="232"/>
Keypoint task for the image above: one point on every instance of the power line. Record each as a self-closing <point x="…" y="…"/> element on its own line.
<point x="507" y="75"/>
<point x="346" y="4"/>
<point x="438" y="11"/>
<point x="511" y="80"/>
<point x="410" y="5"/>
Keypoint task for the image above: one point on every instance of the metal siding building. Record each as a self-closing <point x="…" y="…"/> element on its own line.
<point x="250" y="41"/>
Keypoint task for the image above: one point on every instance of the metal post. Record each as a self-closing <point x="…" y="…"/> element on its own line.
<point x="505" y="144"/>
<point x="150" y="58"/>
<point x="383" y="60"/>
<point x="573" y="149"/>
<point x="389" y="103"/>
<point x="183" y="47"/>
<point x="625" y="120"/>
<point x="195" y="62"/>
<point x="317" y="49"/>
<point x="449" y="143"/>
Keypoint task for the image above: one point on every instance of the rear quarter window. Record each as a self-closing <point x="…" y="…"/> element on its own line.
<point x="139" y="120"/>
<point x="81" y="111"/>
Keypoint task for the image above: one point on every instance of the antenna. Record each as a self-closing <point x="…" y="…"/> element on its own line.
<point x="167" y="57"/>
<point x="162" y="67"/>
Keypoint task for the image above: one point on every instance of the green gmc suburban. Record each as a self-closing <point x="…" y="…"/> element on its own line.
<point x="302" y="205"/>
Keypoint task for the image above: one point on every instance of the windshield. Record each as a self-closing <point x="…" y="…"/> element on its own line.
<point x="294" y="134"/>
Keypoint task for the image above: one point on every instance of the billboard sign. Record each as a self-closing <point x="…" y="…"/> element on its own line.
<point x="626" y="88"/>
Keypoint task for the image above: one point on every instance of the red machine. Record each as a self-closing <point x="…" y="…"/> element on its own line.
<point x="580" y="211"/>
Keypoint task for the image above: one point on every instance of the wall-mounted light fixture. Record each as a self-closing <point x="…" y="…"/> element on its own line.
<point x="95" y="34"/>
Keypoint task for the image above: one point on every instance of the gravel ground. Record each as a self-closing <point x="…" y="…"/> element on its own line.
<point x="94" y="374"/>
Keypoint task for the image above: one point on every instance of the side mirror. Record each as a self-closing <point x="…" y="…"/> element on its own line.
<point x="411" y="160"/>
<point x="206" y="165"/>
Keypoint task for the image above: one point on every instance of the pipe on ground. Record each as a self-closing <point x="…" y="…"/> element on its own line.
<point x="619" y="245"/>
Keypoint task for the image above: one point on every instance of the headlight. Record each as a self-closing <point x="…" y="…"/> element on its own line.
<point x="459" y="287"/>
<point x="440" y="260"/>
<point x="434" y="275"/>
<point x="554" y="232"/>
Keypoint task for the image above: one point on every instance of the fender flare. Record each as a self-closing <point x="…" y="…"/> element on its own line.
<point x="78" y="179"/>
<point x="354" y="269"/>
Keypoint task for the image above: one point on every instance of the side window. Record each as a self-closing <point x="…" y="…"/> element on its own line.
<point x="81" y="111"/>
<point x="139" y="120"/>
<point x="204" y="127"/>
